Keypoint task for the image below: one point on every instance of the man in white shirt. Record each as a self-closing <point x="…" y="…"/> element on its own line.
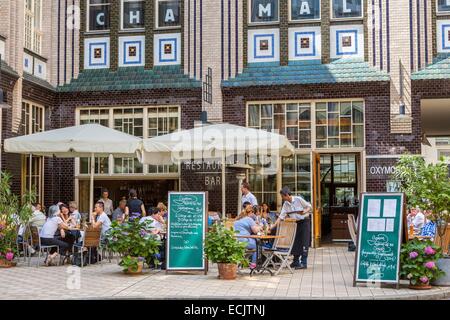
<point x="418" y="221"/>
<point x="108" y="207"/>
<point x="295" y="207"/>
<point x="99" y="219"/>
<point x="247" y="196"/>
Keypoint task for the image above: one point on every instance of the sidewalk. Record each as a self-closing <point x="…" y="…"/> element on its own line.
<point x="329" y="276"/>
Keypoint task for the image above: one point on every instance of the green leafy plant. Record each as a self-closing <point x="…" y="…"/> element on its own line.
<point x="134" y="241"/>
<point x="222" y="246"/>
<point x="14" y="212"/>
<point x="131" y="263"/>
<point x="426" y="186"/>
<point x="418" y="261"/>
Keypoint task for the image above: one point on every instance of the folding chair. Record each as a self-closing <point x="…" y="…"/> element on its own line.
<point x="352" y="227"/>
<point x="91" y="239"/>
<point x="36" y="241"/>
<point x="282" y="247"/>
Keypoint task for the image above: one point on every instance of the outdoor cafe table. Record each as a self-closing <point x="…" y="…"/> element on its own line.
<point x="259" y="249"/>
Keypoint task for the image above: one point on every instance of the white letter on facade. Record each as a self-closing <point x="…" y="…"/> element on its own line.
<point x="135" y="17"/>
<point x="169" y="16"/>
<point x="267" y="10"/>
<point x="345" y="9"/>
<point x="304" y="9"/>
<point x="101" y="22"/>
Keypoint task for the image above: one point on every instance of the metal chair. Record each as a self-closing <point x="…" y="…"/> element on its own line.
<point x="282" y="247"/>
<point x="24" y="243"/>
<point x="91" y="239"/>
<point x="36" y="242"/>
<point x="352" y="228"/>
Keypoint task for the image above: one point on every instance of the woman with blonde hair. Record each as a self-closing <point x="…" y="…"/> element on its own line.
<point x="245" y="225"/>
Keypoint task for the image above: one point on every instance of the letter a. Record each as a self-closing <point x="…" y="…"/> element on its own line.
<point x="169" y="16"/>
<point x="304" y="9"/>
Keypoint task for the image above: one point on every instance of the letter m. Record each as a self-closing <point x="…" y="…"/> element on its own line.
<point x="265" y="10"/>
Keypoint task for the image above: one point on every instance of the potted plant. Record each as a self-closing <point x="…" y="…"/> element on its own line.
<point x="223" y="248"/>
<point x="418" y="263"/>
<point x="135" y="243"/>
<point x="428" y="187"/>
<point x="14" y="212"/>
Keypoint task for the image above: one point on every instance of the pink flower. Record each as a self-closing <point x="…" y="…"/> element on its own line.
<point x="9" y="256"/>
<point x="424" y="279"/>
<point x="430" y="265"/>
<point x="413" y="255"/>
<point x="429" y="251"/>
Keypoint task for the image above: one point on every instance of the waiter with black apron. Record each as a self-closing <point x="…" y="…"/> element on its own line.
<point x="297" y="208"/>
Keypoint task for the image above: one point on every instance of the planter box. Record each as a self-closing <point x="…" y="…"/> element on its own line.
<point x="444" y="265"/>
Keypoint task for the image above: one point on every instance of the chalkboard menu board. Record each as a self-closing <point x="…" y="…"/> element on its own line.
<point x="187" y="223"/>
<point x="379" y="238"/>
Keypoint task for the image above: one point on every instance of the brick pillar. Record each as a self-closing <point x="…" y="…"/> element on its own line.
<point x="149" y="25"/>
<point x="284" y="35"/>
<point x="244" y="32"/>
<point x="366" y="31"/>
<point x="114" y="35"/>
<point x="325" y="31"/>
<point x="83" y="28"/>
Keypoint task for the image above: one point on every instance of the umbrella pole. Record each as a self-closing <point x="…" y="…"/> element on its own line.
<point x="223" y="185"/>
<point x="30" y="169"/>
<point x="91" y="185"/>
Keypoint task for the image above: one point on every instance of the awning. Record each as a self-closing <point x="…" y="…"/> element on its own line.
<point x="435" y="116"/>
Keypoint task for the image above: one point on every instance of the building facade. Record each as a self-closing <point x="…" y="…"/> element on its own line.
<point x="344" y="80"/>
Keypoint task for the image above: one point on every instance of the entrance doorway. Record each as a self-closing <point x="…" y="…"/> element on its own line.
<point x="336" y="190"/>
<point x="149" y="191"/>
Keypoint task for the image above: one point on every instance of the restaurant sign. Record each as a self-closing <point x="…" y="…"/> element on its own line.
<point x="305" y="9"/>
<point x="377" y="258"/>
<point x="187" y="223"/>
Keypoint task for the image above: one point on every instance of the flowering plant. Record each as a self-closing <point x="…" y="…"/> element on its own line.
<point x="418" y="261"/>
<point x="14" y="212"/>
<point x="134" y="241"/>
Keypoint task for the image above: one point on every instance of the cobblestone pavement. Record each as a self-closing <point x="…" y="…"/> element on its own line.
<point x="329" y="276"/>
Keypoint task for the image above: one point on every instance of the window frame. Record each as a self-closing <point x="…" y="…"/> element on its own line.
<point x="156" y="15"/>
<point x="441" y="13"/>
<point x="160" y="171"/>
<point x="88" y="12"/>
<point x="122" y="28"/>
<point x="304" y="20"/>
<point x="262" y="23"/>
<point x="34" y="32"/>
<point x="349" y="18"/>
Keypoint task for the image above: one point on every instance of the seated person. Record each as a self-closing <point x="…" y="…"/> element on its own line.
<point x="38" y="218"/>
<point x="48" y="231"/>
<point x="213" y="216"/>
<point x="429" y="228"/>
<point x="417" y="219"/>
<point x="245" y="225"/>
<point x="101" y="220"/>
<point x="71" y="236"/>
<point x="157" y="221"/>
<point x="119" y="212"/>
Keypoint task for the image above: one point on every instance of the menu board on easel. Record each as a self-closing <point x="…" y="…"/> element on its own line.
<point x="380" y="230"/>
<point x="187" y="225"/>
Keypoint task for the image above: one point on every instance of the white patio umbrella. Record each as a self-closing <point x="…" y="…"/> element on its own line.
<point x="87" y="141"/>
<point x="211" y="142"/>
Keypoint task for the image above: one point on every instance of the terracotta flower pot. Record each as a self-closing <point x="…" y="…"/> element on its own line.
<point x="7" y="264"/>
<point x="420" y="286"/>
<point x="139" y="269"/>
<point x="227" y="271"/>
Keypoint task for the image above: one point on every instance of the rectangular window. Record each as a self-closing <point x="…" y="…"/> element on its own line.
<point x="33" y="25"/>
<point x="98" y="15"/>
<point x="263" y="179"/>
<point x="133" y="14"/>
<point x="32" y="121"/>
<point x="339" y="124"/>
<point x="264" y="11"/>
<point x="443" y="6"/>
<point x="346" y="9"/>
<point x="304" y="10"/>
<point x="168" y="13"/>
<point x="296" y="174"/>
<point x="143" y="122"/>
<point x="291" y="119"/>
